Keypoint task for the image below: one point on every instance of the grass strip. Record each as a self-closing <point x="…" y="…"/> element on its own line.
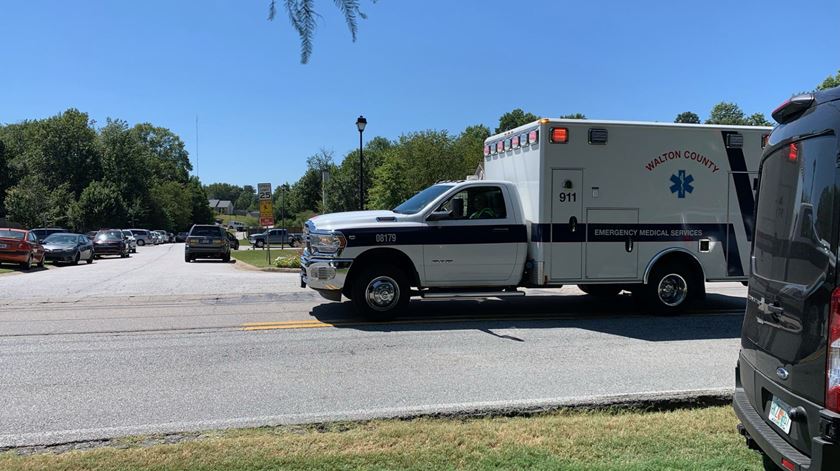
<point x="687" y="439"/>
<point x="259" y="257"/>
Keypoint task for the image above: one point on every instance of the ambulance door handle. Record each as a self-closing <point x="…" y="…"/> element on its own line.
<point x="572" y="224"/>
<point x="628" y="244"/>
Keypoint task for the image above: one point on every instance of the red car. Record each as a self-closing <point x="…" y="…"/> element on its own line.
<point x="21" y="247"/>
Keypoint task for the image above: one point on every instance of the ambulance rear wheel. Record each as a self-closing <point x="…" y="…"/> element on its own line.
<point x="600" y="291"/>
<point x="380" y="292"/>
<point x="672" y="288"/>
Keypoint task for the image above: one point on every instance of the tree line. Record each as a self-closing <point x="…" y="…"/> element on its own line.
<point x="65" y="171"/>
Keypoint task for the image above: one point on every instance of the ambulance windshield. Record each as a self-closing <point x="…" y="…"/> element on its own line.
<point x="421" y="200"/>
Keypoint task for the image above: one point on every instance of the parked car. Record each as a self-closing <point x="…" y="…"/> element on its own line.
<point x="155" y="238"/>
<point x="163" y="236"/>
<point x="43" y="232"/>
<point x="171" y="237"/>
<point x="181" y="237"/>
<point x="207" y="241"/>
<point x="143" y="236"/>
<point x="276" y="237"/>
<point x="68" y="248"/>
<point x="110" y="242"/>
<point x="234" y="242"/>
<point x="787" y="382"/>
<point x="21" y="247"/>
<point x="91" y="235"/>
<point x="236" y="226"/>
<point x="130" y="240"/>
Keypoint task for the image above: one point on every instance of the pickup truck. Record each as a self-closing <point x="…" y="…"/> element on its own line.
<point x="276" y="237"/>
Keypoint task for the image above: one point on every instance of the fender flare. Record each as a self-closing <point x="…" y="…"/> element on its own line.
<point x="668" y="251"/>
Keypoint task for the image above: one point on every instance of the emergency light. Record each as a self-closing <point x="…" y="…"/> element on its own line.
<point x="559" y="135"/>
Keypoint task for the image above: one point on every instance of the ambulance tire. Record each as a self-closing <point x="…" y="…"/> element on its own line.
<point x="600" y="291"/>
<point x="380" y="292"/>
<point x="671" y="289"/>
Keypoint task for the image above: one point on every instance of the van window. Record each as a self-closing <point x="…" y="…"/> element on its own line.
<point x="483" y="202"/>
<point x="796" y="213"/>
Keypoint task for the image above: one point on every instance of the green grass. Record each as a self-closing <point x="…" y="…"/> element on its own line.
<point x="694" y="440"/>
<point x="258" y="257"/>
<point x="6" y="270"/>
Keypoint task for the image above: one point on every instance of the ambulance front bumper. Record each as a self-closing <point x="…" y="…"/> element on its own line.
<point x="325" y="275"/>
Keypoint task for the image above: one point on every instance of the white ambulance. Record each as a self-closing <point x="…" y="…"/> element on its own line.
<point x="656" y="209"/>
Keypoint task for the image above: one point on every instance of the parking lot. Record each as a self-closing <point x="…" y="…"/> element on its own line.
<point x="153" y="344"/>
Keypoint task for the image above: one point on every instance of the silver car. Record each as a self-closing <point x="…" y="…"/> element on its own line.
<point x="131" y="240"/>
<point x="142" y="236"/>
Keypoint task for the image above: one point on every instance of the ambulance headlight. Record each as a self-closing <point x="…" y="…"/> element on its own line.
<point x="327" y="242"/>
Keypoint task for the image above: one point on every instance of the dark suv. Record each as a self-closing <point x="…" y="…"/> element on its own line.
<point x="787" y="394"/>
<point x="207" y="241"/>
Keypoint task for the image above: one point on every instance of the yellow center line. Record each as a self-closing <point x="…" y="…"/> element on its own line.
<point x="315" y="324"/>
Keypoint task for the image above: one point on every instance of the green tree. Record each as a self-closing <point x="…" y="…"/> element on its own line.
<point x="174" y="204"/>
<point x="200" y="212"/>
<point x="303" y="17"/>
<point x="830" y="82"/>
<point x="757" y="119"/>
<point x="573" y="116"/>
<point x="687" y="117"/>
<point x="62" y="149"/>
<point x="416" y="161"/>
<point x="468" y="148"/>
<point x="124" y="163"/>
<point x="31" y="206"/>
<point x="247" y="199"/>
<point x="223" y="191"/>
<point x="727" y="113"/>
<point x="5" y="175"/>
<point x="165" y="153"/>
<point x="100" y="205"/>
<point x="514" y="119"/>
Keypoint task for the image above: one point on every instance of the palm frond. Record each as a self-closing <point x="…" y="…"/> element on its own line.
<point x="350" y="8"/>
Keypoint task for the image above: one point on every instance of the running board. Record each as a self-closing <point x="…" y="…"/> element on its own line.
<point x="471" y="294"/>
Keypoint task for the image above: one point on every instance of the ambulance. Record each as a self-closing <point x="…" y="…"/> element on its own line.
<point x="656" y="209"/>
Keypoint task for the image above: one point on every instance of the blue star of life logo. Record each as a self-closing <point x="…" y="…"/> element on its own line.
<point x="681" y="184"/>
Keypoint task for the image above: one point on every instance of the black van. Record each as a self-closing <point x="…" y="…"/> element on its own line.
<point x="787" y="394"/>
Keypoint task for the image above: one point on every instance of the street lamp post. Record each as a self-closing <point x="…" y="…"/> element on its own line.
<point x="325" y="174"/>
<point x="360" y="124"/>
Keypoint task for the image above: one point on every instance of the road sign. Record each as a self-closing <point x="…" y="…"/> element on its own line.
<point x="266" y="212"/>
<point x="264" y="191"/>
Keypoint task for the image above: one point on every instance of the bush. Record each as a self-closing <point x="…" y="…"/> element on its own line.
<point x="292" y="261"/>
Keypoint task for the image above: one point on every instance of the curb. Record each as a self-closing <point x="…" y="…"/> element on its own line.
<point x="173" y="433"/>
<point x="247" y="266"/>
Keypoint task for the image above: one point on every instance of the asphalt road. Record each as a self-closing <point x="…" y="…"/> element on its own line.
<point x="152" y="345"/>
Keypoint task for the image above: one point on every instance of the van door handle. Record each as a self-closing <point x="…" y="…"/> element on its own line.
<point x="628" y="244"/>
<point x="572" y="224"/>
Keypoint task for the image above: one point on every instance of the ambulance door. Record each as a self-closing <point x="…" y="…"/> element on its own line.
<point x="611" y="250"/>
<point x="568" y="229"/>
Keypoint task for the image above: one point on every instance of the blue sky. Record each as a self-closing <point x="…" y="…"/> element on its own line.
<point x="417" y="64"/>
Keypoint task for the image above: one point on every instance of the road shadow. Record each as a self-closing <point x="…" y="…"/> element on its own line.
<point x="719" y="317"/>
<point x="211" y="260"/>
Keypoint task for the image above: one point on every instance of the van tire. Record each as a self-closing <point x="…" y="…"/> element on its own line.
<point x="375" y="282"/>
<point x="671" y="288"/>
<point x="600" y="291"/>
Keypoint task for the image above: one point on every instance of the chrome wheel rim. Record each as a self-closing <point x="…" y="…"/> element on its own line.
<point x="672" y="290"/>
<point x="382" y="293"/>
